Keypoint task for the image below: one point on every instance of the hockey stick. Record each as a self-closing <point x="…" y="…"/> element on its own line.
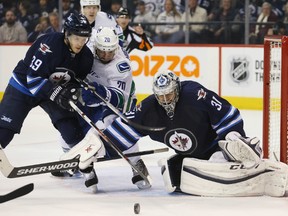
<point x="17" y="193"/>
<point x="106" y="138"/>
<point x="86" y="86"/>
<point x="101" y="159"/>
<point x="10" y="171"/>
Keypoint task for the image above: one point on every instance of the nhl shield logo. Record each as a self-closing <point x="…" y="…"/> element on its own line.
<point x="239" y="70"/>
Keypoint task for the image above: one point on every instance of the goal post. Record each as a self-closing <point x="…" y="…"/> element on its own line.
<point x="275" y="98"/>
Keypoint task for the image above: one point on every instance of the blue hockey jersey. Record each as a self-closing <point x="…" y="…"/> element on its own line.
<point x="201" y="119"/>
<point x="34" y="74"/>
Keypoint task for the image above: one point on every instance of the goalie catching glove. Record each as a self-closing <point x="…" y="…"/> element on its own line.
<point x="239" y="149"/>
<point x="61" y="94"/>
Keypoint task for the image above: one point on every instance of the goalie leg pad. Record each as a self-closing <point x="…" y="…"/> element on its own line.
<point x="276" y="180"/>
<point x="171" y="172"/>
<point x="87" y="149"/>
<point x="205" y="178"/>
<point x="166" y="175"/>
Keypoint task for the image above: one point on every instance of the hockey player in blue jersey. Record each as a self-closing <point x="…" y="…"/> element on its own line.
<point x="41" y="79"/>
<point x="213" y="155"/>
<point x="187" y="108"/>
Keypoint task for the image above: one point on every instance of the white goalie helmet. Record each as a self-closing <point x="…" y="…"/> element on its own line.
<point x="106" y="39"/>
<point x="166" y="88"/>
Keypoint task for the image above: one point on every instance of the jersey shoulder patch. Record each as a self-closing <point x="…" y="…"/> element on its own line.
<point x="123" y="67"/>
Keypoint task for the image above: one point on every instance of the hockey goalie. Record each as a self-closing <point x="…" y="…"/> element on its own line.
<point x="214" y="156"/>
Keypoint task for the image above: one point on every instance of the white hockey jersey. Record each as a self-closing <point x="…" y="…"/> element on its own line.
<point x="116" y="76"/>
<point x="105" y="20"/>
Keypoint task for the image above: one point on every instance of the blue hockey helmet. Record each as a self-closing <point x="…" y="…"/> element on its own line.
<point x="166" y="88"/>
<point x="77" y="24"/>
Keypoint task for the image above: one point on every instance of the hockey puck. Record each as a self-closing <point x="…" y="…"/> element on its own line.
<point x="136" y="208"/>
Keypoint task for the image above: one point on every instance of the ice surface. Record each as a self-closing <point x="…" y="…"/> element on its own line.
<point x="117" y="195"/>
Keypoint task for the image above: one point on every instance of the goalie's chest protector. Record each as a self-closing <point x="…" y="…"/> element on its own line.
<point x="189" y="132"/>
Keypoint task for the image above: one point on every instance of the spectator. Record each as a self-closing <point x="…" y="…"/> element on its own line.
<point x="12" y="30"/>
<point x="221" y="32"/>
<point x="114" y="8"/>
<point x="25" y="16"/>
<point x="285" y="18"/>
<point x="54" y="23"/>
<point x="238" y="30"/>
<point x="132" y="7"/>
<point x="196" y="14"/>
<point x="40" y="29"/>
<point x="208" y="5"/>
<point x="277" y="7"/>
<point x="158" y="6"/>
<point x="134" y="37"/>
<point x="4" y="5"/>
<point x="144" y="17"/>
<point x="67" y="9"/>
<point x="168" y="33"/>
<point x="44" y="7"/>
<point x="279" y="28"/>
<point x="105" y="5"/>
<point x="259" y="31"/>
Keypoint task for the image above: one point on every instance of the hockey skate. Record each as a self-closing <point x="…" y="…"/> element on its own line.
<point x="137" y="179"/>
<point x="91" y="179"/>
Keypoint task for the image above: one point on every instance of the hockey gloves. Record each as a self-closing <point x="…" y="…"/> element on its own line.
<point x="90" y="98"/>
<point x="63" y="93"/>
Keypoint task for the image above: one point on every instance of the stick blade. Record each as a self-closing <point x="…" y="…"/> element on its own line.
<point x="17" y="193"/>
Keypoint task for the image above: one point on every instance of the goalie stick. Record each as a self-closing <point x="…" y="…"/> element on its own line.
<point x="17" y="193"/>
<point x="10" y="171"/>
<point x="101" y="159"/>
<point x="86" y="86"/>
<point x="119" y="152"/>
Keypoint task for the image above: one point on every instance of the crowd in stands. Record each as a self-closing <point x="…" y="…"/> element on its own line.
<point x="211" y="21"/>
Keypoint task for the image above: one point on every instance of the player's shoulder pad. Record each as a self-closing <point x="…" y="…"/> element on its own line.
<point x="49" y="42"/>
<point x="105" y="16"/>
<point x="191" y="86"/>
<point x="192" y="89"/>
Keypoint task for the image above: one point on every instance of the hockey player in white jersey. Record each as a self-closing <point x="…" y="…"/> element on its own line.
<point x="97" y="18"/>
<point x="111" y="76"/>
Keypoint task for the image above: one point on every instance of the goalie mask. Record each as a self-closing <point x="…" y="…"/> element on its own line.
<point x="105" y="43"/>
<point x="166" y="88"/>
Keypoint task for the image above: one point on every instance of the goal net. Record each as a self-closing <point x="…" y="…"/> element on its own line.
<point x="275" y="101"/>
